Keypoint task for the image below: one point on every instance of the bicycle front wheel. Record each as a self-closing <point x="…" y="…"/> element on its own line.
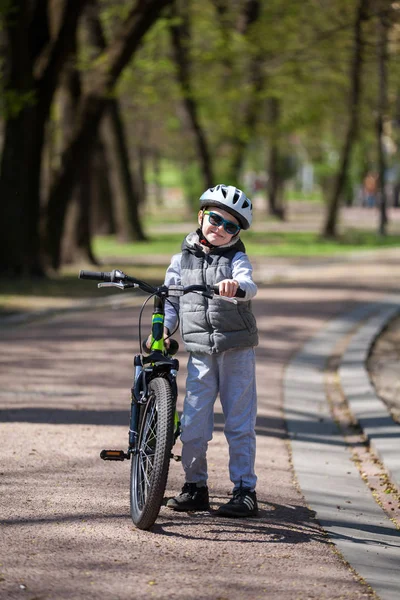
<point x="150" y="463"/>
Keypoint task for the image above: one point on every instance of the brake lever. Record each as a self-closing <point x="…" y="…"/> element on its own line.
<point x="232" y="300"/>
<point x="212" y="294"/>
<point x="119" y="285"/>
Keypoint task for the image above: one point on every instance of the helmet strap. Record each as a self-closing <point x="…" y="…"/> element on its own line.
<point x="202" y="238"/>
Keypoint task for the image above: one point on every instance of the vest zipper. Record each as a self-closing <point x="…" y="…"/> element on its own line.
<point x="210" y="329"/>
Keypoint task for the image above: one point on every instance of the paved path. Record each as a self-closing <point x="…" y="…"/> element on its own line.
<point x="322" y="457"/>
<point x="66" y="531"/>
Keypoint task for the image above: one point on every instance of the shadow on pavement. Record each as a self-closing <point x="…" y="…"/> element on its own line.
<point x="275" y="524"/>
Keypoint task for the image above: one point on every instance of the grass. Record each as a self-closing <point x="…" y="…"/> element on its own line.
<point x="161" y="244"/>
<point x="308" y="245"/>
<point x="148" y="260"/>
<point x="298" y="196"/>
<point x="287" y="244"/>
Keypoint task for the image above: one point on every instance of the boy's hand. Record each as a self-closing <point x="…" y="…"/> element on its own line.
<point x="166" y="341"/>
<point x="228" y="287"/>
<point x="148" y="342"/>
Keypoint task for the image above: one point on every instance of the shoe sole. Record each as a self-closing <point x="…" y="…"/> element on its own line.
<point x="235" y="515"/>
<point x="178" y="508"/>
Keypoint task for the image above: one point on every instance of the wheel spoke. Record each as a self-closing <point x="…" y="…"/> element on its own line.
<point x="147" y="453"/>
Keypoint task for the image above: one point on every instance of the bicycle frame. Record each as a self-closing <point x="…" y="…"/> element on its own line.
<point x="146" y="367"/>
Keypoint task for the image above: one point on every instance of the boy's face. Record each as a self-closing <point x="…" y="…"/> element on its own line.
<point x="216" y="235"/>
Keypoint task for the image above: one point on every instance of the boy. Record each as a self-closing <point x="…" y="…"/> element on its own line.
<point x="220" y="337"/>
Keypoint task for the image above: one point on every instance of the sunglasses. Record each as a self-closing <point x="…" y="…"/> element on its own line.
<point x="217" y="221"/>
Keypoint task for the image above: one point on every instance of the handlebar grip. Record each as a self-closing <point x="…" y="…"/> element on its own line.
<point x="239" y="292"/>
<point x="95" y="275"/>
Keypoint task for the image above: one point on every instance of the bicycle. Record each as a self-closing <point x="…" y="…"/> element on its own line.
<point x="154" y="424"/>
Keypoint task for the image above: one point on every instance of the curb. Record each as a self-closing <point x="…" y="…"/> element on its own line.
<point x="328" y="478"/>
<point x="373" y="416"/>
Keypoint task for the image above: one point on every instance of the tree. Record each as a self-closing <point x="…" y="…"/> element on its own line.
<point x="33" y="66"/>
<point x="180" y="36"/>
<point x="330" y="226"/>
<point x="383" y="26"/>
<point x="253" y="78"/>
<point x="130" y="227"/>
<point x="103" y="77"/>
<point x="275" y="171"/>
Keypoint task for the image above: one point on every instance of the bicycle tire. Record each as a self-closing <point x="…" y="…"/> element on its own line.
<point x="150" y="463"/>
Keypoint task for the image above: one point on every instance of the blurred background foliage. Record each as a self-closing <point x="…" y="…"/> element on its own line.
<point x="115" y="115"/>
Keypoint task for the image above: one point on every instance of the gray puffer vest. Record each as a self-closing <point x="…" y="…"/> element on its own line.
<point x="213" y="326"/>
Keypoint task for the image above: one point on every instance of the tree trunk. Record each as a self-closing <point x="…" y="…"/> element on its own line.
<point x="248" y="16"/>
<point x="383" y="28"/>
<point x="33" y="75"/>
<point x="83" y="231"/>
<point x="180" y="36"/>
<point x="396" y="128"/>
<point x="275" y="182"/>
<point x="76" y="242"/>
<point x="93" y="104"/>
<point x="330" y="226"/>
<point x="103" y="214"/>
<point x="130" y="187"/>
<point x="69" y="95"/>
<point x="158" y="190"/>
<point x="249" y="119"/>
<point x="141" y="153"/>
<point x="18" y="247"/>
<point x="126" y="209"/>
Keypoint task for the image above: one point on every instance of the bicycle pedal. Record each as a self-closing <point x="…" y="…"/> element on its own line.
<point x="114" y="455"/>
<point x="176" y="457"/>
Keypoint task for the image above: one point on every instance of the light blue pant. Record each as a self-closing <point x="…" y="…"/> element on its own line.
<point x="232" y="375"/>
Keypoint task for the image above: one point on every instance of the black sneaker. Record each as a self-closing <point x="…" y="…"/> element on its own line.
<point x="243" y="504"/>
<point x="191" y="498"/>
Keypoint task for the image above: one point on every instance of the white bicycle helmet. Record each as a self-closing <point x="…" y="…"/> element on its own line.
<point x="231" y="199"/>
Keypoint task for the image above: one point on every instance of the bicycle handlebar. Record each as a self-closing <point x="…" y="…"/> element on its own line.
<point x="116" y="276"/>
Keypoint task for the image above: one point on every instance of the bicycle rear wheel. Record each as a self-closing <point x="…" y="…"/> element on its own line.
<point x="150" y="464"/>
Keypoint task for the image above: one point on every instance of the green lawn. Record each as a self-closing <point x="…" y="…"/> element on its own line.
<point x="257" y="244"/>
<point x="311" y="244"/>
<point x="148" y="260"/>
